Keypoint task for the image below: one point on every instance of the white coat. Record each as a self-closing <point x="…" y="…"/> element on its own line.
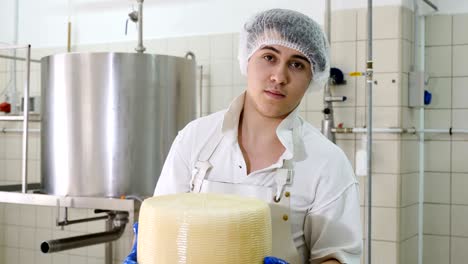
<point x="324" y="195"/>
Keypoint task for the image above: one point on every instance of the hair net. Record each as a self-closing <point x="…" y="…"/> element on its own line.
<point x="289" y="29"/>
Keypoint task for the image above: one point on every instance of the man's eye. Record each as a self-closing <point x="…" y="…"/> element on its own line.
<point x="297" y="65"/>
<point x="268" y="57"/>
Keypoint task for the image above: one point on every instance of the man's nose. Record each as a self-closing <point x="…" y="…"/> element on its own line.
<point x="280" y="74"/>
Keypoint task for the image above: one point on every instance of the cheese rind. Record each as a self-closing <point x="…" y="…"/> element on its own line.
<point x="196" y="228"/>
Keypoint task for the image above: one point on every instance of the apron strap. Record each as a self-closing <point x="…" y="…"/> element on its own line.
<point x="203" y="165"/>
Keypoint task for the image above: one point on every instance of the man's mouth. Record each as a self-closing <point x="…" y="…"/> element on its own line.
<point x="274" y="94"/>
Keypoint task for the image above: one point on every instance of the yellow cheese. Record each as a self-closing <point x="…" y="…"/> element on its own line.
<point x="203" y="229"/>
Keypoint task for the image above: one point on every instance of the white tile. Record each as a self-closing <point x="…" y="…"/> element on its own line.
<point x="13" y="146"/>
<point x="459" y="217"/>
<point x="221" y="73"/>
<point x="409" y="251"/>
<point x="386" y="22"/>
<point x="200" y="45"/>
<point x="13" y="170"/>
<point x="44" y="217"/>
<point x="27" y="238"/>
<point x="437" y="187"/>
<point x="26" y="256"/>
<point x="348" y="148"/>
<point x="177" y="46"/>
<point x="220" y="97"/>
<point x="437" y="156"/>
<point x="459" y="119"/>
<point x="460" y="92"/>
<point x="386" y="89"/>
<point x="438" y="30"/>
<point x="407" y="55"/>
<point x="409" y="156"/>
<point x="437" y="219"/>
<point x="387" y="55"/>
<point x="42" y="258"/>
<point x="409" y="189"/>
<point x="384" y="252"/>
<point x="235" y="46"/>
<point x="458" y="252"/>
<point x="237" y="77"/>
<point x="459" y="150"/>
<point x="439" y="61"/>
<point x="437" y="118"/>
<point x="385" y="224"/>
<point x="409" y="221"/>
<point x="11" y="214"/>
<point x="441" y="93"/>
<point x="12" y="235"/>
<point x="343" y="25"/>
<point x="2" y="173"/>
<point x="361" y="57"/>
<point x="11" y="255"/>
<point x="385" y="190"/>
<point x="96" y="251"/>
<point x="314" y="118"/>
<point x="95" y="260"/>
<point x="78" y="260"/>
<point x="27" y="215"/>
<point x="221" y="46"/>
<point x="460" y="34"/>
<point x="58" y="258"/>
<point x="386" y="117"/>
<point x="157" y="46"/>
<point x="343" y="56"/>
<point x="314" y="100"/>
<point x="436" y="249"/>
<point x="459" y="184"/>
<point x="460" y="58"/>
<point x="362" y="24"/>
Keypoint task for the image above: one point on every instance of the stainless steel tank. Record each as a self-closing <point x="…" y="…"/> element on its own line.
<point x="108" y="120"/>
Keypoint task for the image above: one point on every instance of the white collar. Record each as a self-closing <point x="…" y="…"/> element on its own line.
<point x="284" y="131"/>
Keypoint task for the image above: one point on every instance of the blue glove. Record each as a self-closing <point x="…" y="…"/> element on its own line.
<point x="273" y="260"/>
<point x="132" y="257"/>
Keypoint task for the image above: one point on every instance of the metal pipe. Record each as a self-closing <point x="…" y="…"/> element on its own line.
<point x="429" y="3"/>
<point x="66" y="222"/>
<point x="108" y="245"/>
<point x="16" y="58"/>
<point x="56" y="245"/>
<point x="140" y="48"/>
<point x="118" y="227"/>
<point x="369" y="78"/>
<point x="18" y="130"/>
<point x="24" y="162"/>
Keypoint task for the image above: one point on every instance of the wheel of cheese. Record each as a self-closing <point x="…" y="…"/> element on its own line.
<point x="203" y="228"/>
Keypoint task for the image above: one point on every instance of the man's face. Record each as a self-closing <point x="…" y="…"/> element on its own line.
<point x="277" y="78"/>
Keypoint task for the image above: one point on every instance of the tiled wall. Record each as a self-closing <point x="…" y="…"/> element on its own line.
<point x="446" y="171"/>
<point x="395" y="159"/>
<point x="392" y="40"/>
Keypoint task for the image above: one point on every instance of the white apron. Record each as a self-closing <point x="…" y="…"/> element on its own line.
<point x="278" y="199"/>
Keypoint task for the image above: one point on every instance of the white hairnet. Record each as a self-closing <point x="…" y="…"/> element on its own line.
<point x="289" y="29"/>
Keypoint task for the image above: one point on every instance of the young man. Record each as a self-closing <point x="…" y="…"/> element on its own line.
<point x="260" y="147"/>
